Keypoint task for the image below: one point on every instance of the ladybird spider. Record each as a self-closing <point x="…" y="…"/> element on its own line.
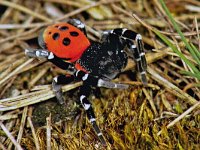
<point x="95" y="63"/>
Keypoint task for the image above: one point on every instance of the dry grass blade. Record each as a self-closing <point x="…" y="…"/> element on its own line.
<point x="34" y="134"/>
<point x="150" y="101"/>
<point x="21" y="128"/>
<point x="171" y="88"/>
<point x="18" y="35"/>
<point x="8" y="117"/>
<point x="2" y="146"/>
<point x="48" y="130"/>
<point x="32" y="98"/>
<point x="10" y="136"/>
<point x="181" y="116"/>
<point x="17" y="70"/>
<point x="151" y="57"/>
<point x="82" y="9"/>
<point x="22" y="26"/>
<point x="24" y="9"/>
<point x="129" y="119"/>
<point x="163" y="32"/>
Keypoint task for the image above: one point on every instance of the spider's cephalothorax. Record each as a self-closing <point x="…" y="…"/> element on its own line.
<point x="95" y="63"/>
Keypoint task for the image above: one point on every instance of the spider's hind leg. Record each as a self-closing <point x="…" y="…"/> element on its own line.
<point x="84" y="93"/>
<point x="57" y="86"/>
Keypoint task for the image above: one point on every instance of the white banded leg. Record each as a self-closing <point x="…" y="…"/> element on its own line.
<point x="142" y="64"/>
<point x="138" y="57"/>
<point x="43" y="53"/>
<point x="39" y="53"/>
<point x="137" y="50"/>
<point x="109" y="84"/>
<point x="84" y="92"/>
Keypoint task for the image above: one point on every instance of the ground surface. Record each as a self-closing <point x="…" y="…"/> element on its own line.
<point x="162" y="115"/>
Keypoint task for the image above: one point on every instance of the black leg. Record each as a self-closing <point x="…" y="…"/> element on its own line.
<point x="77" y="23"/>
<point x="84" y="93"/>
<point x="57" y="86"/>
<point x="97" y="92"/>
<point x="85" y="90"/>
<point x="136" y="49"/>
<point x="140" y="62"/>
<point x="129" y="34"/>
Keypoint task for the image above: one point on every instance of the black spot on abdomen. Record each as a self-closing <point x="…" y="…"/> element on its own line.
<point x="56" y="36"/>
<point x="63" y="28"/>
<point x="66" y="41"/>
<point x="74" y="33"/>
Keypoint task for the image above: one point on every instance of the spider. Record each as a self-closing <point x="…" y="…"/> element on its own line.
<point x="66" y="45"/>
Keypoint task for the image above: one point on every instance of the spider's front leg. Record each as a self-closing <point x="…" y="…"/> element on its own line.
<point x="139" y="57"/>
<point x="59" y="80"/>
<point x="136" y="49"/>
<point x="79" y="24"/>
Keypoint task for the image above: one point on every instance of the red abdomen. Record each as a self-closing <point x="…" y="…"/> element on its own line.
<point x="65" y="41"/>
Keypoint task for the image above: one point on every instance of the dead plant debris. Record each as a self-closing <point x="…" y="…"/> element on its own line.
<point x="162" y="115"/>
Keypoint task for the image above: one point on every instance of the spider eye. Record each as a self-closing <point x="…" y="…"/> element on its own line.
<point x="66" y="41"/>
<point x="74" y="33"/>
<point x="55" y="36"/>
